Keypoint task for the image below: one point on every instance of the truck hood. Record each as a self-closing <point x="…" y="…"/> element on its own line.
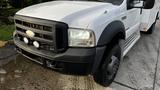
<point x="75" y="13"/>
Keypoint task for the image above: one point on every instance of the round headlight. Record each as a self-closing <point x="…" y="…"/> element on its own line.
<point x="36" y="44"/>
<point x="26" y="40"/>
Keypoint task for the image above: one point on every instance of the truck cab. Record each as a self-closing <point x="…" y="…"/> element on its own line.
<point x="83" y="36"/>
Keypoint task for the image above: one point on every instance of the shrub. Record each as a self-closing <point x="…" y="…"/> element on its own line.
<point x="24" y="3"/>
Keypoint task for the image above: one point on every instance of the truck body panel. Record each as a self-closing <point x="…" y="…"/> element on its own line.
<point x="53" y="33"/>
<point x="77" y="14"/>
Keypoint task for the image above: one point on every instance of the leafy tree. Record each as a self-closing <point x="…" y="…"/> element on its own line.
<point x="3" y="3"/>
<point x="24" y="3"/>
<point x="17" y="3"/>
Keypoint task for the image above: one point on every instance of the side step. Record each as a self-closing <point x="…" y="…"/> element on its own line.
<point x="130" y="42"/>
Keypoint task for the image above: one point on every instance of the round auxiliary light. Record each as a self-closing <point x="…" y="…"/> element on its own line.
<point x="36" y="44"/>
<point x="30" y="33"/>
<point x="26" y="40"/>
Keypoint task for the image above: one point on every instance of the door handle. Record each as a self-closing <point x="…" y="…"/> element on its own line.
<point x="124" y="17"/>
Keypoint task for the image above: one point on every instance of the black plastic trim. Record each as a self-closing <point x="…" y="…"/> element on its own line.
<point x="73" y="55"/>
<point x="110" y="32"/>
<point x="98" y="58"/>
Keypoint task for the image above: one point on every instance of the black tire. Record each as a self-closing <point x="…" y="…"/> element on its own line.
<point x="106" y="74"/>
<point x="152" y="28"/>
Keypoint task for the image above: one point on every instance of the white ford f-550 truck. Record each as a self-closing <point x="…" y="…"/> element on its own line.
<point x="83" y="36"/>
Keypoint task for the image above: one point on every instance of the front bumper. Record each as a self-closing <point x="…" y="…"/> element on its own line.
<point x="74" y="60"/>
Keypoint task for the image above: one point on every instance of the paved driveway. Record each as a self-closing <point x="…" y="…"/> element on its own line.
<point x="140" y="70"/>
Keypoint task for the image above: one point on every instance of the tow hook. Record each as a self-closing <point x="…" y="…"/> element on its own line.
<point x="52" y="65"/>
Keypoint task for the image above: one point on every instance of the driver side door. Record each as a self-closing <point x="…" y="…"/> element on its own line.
<point x="133" y="18"/>
<point x="132" y="23"/>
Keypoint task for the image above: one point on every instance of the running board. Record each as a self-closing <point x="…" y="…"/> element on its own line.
<point x="130" y="42"/>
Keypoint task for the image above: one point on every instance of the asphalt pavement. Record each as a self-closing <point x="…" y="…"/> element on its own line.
<point x="140" y="70"/>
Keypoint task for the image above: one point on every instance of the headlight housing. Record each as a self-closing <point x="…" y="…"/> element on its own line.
<point x="81" y="38"/>
<point x="14" y="33"/>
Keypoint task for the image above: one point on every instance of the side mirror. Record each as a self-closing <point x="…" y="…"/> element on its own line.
<point x="137" y="4"/>
<point x="149" y="4"/>
<point x="145" y="4"/>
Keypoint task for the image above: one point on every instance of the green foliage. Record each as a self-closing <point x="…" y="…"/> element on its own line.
<point x="6" y="32"/>
<point x="24" y="3"/>
<point x="5" y="15"/>
<point x="17" y="3"/>
<point x="8" y="12"/>
<point x="3" y="3"/>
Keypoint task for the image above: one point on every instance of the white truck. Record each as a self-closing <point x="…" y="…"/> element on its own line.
<point x="89" y="37"/>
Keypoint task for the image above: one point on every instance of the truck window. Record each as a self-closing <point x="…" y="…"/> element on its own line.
<point x="115" y="2"/>
<point x="148" y="4"/>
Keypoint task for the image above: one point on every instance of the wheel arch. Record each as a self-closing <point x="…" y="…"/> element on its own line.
<point x="110" y="36"/>
<point x="158" y="16"/>
<point x="114" y="29"/>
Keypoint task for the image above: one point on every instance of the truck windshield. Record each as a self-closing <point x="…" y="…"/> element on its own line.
<point x="115" y="2"/>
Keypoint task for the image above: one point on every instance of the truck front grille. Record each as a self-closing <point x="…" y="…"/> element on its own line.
<point x="51" y="35"/>
<point x="34" y="26"/>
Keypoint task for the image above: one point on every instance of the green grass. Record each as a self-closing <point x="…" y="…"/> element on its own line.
<point x="6" y="32"/>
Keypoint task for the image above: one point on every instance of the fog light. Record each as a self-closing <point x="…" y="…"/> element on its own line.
<point x="25" y="40"/>
<point x="51" y="48"/>
<point x="36" y="44"/>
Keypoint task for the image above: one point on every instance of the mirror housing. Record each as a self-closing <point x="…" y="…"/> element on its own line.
<point x="149" y="4"/>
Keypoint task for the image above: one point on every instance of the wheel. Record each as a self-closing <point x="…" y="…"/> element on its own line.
<point x="106" y="74"/>
<point x="152" y="28"/>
